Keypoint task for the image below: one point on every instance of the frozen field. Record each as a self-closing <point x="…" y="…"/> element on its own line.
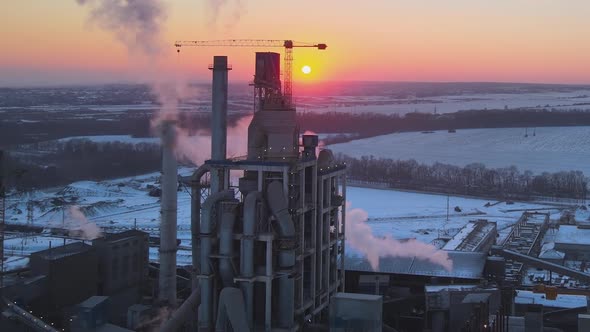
<point x="114" y="138"/>
<point x="551" y="149"/>
<point x="405" y="215"/>
<point x="571" y="100"/>
<point x="121" y="204"/>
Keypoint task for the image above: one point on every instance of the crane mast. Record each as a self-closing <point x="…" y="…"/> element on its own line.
<point x="288" y="45"/>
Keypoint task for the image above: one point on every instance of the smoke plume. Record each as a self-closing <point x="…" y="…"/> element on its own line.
<point x="360" y="237"/>
<point x="195" y="146"/>
<point x="236" y="8"/>
<point x="135" y="23"/>
<point x="78" y="225"/>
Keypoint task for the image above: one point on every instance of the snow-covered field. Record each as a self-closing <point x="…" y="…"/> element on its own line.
<point x="571" y="100"/>
<point x="405" y="215"/>
<point x="550" y="149"/>
<point x="121" y="204"/>
<point x="114" y="138"/>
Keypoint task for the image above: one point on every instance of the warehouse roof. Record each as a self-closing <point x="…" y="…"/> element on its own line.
<point x="466" y="265"/>
<point x="572" y="235"/>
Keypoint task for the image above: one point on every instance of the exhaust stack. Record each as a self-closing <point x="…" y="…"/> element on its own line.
<point x="220" y="70"/>
<point x="168" y="246"/>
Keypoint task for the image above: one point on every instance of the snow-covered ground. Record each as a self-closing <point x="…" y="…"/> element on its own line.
<point x="550" y="149"/>
<point x="120" y="204"/>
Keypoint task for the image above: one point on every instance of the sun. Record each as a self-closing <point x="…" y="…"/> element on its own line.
<point x="306" y="69"/>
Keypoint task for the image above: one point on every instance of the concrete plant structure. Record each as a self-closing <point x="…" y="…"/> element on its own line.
<point x="268" y="240"/>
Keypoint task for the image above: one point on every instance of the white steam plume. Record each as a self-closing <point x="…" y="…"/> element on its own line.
<point x="196" y="146"/>
<point x="138" y="25"/>
<point x="78" y="225"/>
<point x="135" y="23"/>
<point x="360" y="237"/>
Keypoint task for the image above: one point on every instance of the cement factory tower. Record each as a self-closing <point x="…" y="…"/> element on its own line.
<point x="268" y="242"/>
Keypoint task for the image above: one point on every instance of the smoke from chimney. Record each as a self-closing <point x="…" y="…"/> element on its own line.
<point x="360" y="236"/>
<point x="135" y="23"/>
<point x="79" y="226"/>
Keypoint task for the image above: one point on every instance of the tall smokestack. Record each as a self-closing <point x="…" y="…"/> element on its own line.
<point x="168" y="246"/>
<point x="219" y="118"/>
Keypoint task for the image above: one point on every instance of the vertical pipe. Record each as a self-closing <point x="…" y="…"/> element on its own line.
<point x="169" y="183"/>
<point x="207" y="307"/>
<point x="320" y="237"/>
<point x="247" y="260"/>
<point x="219" y="119"/>
<point x="196" y="221"/>
<point x="226" y="244"/>
<point x="314" y="220"/>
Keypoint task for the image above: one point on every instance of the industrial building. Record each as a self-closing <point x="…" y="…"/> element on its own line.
<point x="61" y="279"/>
<point x="268" y="247"/>
<point x="268" y="250"/>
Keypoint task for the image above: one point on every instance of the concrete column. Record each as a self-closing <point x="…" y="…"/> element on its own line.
<point x="168" y="247"/>
<point x="219" y="119"/>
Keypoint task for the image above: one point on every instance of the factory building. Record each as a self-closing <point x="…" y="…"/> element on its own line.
<point x="61" y="280"/>
<point x="64" y="287"/>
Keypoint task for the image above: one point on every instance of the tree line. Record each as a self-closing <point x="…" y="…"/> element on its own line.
<point x="372" y="124"/>
<point x="78" y="159"/>
<point x="474" y="179"/>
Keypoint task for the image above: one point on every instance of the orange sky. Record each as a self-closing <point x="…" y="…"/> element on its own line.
<point x="48" y="42"/>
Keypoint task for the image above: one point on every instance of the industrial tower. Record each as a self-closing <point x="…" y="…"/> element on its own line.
<point x="276" y="241"/>
<point x="268" y="241"/>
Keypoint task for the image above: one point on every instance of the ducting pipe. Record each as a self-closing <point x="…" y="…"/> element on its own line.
<point x="196" y="220"/>
<point x="247" y="260"/>
<point x="226" y="247"/>
<point x="184" y="313"/>
<point x="286" y="284"/>
<point x="231" y="310"/>
<point x="168" y="245"/>
<point x="256" y="139"/>
<point x="205" y="313"/>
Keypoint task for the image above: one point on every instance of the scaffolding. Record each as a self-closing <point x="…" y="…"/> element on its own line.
<point x="525" y="238"/>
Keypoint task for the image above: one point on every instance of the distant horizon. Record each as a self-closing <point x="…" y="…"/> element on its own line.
<point x="83" y="43"/>
<point x="240" y="81"/>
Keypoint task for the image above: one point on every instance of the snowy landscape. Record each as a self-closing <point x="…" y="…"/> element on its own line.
<point x="122" y="204"/>
<point x="546" y="149"/>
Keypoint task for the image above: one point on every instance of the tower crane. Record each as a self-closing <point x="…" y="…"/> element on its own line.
<point x="288" y="45"/>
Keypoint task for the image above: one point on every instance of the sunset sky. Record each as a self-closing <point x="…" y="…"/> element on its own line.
<point x="54" y="42"/>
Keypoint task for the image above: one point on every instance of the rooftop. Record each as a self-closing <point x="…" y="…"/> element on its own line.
<point x="562" y="301"/>
<point x="572" y="235"/>
<point x="466" y="265"/>
<point x="63" y="251"/>
<point x="470" y="236"/>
